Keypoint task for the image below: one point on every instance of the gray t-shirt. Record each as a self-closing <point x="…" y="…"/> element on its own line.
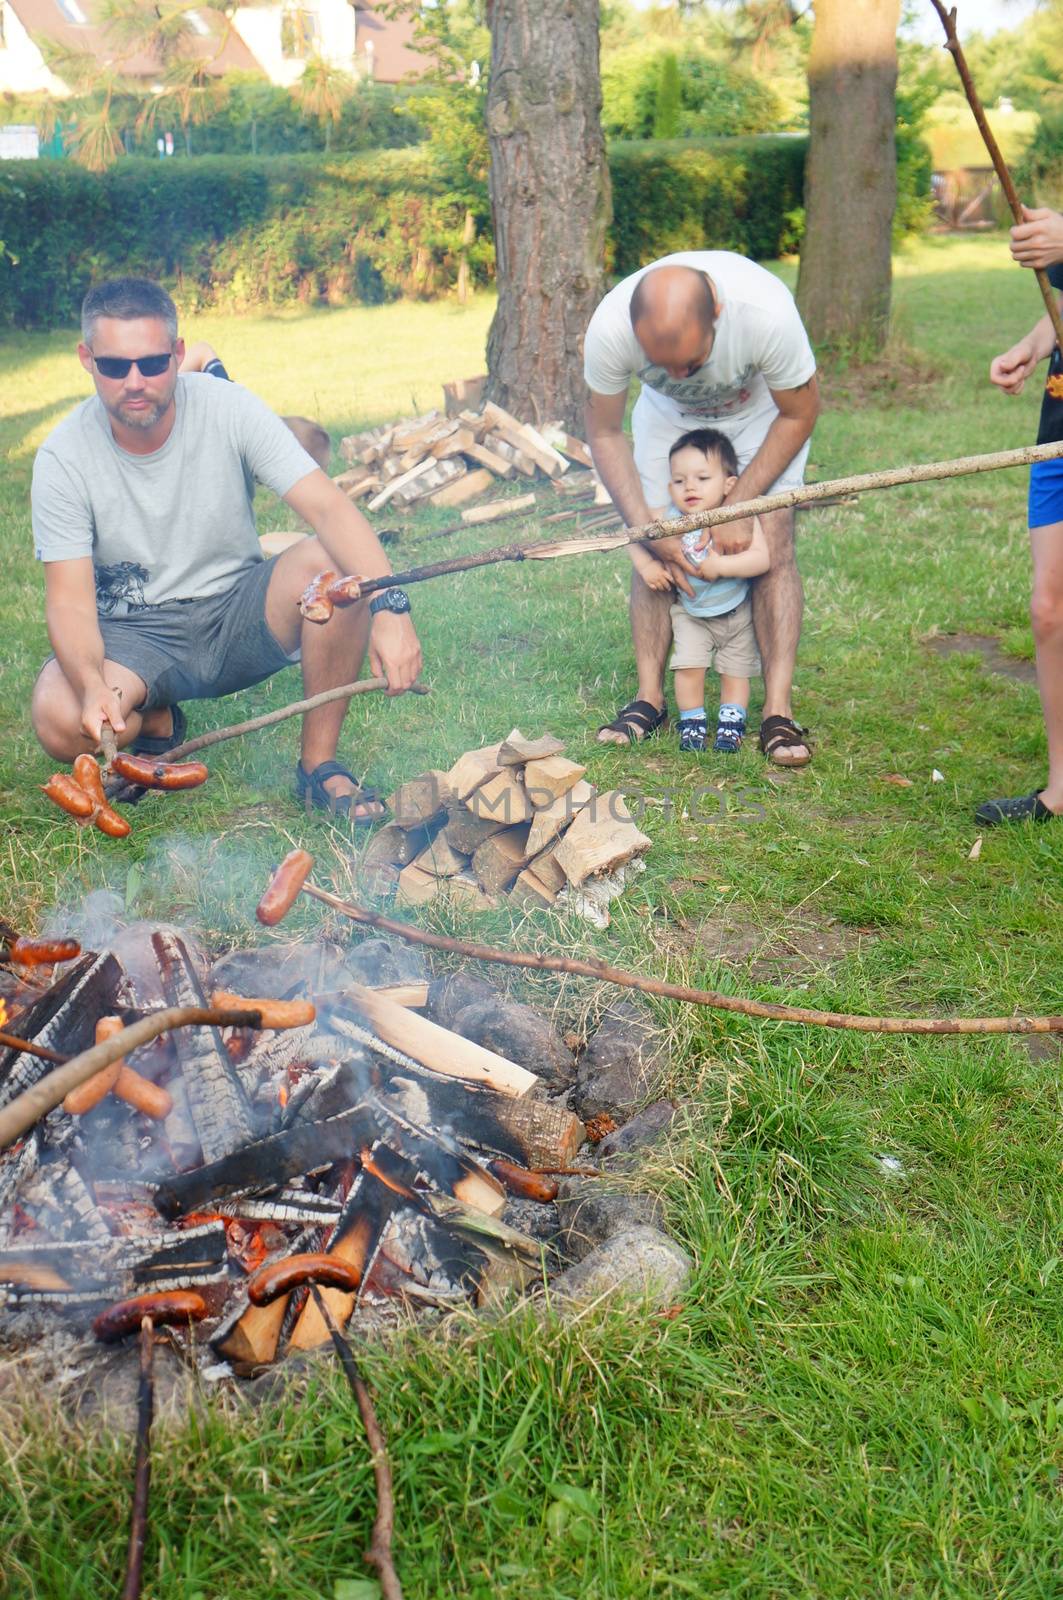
<point x="174" y="525"/>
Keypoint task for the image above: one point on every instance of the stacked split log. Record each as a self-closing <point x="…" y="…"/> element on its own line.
<point x="511" y="819"/>
<point x="448" y="458"/>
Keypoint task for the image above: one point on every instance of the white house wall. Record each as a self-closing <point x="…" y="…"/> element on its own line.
<point x="22" y="68"/>
<point x="260" y="29"/>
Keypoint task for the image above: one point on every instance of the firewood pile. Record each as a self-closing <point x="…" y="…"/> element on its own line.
<point x="513" y="819"/>
<point x="448" y="458"/>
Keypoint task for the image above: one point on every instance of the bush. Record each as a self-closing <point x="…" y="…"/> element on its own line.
<point x="714" y="98"/>
<point x="1039" y="176"/>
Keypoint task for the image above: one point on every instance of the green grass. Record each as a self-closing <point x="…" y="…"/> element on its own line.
<point x="862" y="1392"/>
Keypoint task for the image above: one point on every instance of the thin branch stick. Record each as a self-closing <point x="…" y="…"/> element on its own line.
<point x="11" y="1041"/>
<point x="955" y="49"/>
<point x="676" y="991"/>
<point x="138" y="1521"/>
<point x="27" y="1109"/>
<point x="379" y="1553"/>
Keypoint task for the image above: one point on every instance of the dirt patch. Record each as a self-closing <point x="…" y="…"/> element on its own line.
<point x="776" y="949"/>
<point x="988" y="647"/>
<point x="897" y="378"/>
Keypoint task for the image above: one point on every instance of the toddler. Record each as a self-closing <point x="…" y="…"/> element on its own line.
<point x="715" y="624"/>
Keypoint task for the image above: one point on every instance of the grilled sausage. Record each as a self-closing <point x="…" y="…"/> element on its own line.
<point x="152" y="774"/>
<point x="69" y="795"/>
<point x="31" y="1275"/>
<point x="519" y="1181"/>
<point x="143" y="1095"/>
<point x="284" y="887"/>
<point x="345" y="591"/>
<point x="41" y="952"/>
<point x="109" y="822"/>
<point x="281" y="1277"/>
<point x="275" y="1013"/>
<point x="171" y="1305"/>
<point x="87" y="773"/>
<point x="314" y="603"/>
<point x="91" y="1092"/>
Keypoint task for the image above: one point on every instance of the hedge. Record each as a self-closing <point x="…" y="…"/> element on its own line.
<point x="233" y="231"/>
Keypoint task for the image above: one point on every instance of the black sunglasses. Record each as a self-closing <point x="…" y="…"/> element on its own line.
<point x="147" y="366"/>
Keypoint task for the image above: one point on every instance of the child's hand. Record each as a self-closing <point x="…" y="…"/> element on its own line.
<point x="710" y="565"/>
<point x="653" y="574"/>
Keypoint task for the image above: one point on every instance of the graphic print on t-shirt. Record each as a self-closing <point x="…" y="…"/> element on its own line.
<point x="699" y="396"/>
<point x="120" y="588"/>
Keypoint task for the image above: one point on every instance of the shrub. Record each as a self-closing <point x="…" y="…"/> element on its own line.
<point x="714" y="97"/>
<point x="1039" y="176"/>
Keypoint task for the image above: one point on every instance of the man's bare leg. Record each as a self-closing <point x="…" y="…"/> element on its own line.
<point x="778" y="606"/>
<point x="55" y="710"/>
<point x="1046" y="613"/>
<point x="332" y="653"/>
<point x="651" y="635"/>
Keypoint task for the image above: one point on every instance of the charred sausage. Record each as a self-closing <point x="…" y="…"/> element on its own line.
<point x="284" y="887"/>
<point x="314" y="603"/>
<point x="171" y="1305"/>
<point x="281" y="1277"/>
<point x="519" y="1181"/>
<point x="274" y="1013"/>
<point x="152" y="774"/>
<point x="41" y="952"/>
<point x="69" y="795"/>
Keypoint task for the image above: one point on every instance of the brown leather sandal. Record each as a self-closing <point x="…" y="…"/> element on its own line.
<point x="778" y="732"/>
<point x="637" y="720"/>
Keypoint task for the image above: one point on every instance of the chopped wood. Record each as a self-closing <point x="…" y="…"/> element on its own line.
<point x="463" y="392"/>
<point x="531" y="891"/>
<point x="546" y="869"/>
<point x="484" y="456"/>
<point x="252" y="1341"/>
<point x="408" y="433"/>
<point x="275" y="544"/>
<point x="602" y="838"/>
<point x="538" y="1133"/>
<point x="360" y="447"/>
<point x="367" y="486"/>
<point x="369" y="1206"/>
<point x="464" y="891"/>
<point x="499" y="859"/>
<point x="527" y="439"/>
<point x="466" y="487"/>
<point x="415" y="886"/>
<point x="552" y="820"/>
<point x="515" y="749"/>
<point x="502" y="797"/>
<point x="513" y="453"/>
<point x="413" y="994"/>
<point x="426" y="444"/>
<point x="432" y="479"/>
<point x="568" y="445"/>
<point x="421" y="799"/>
<point x="440" y="860"/>
<point x="352" y="478"/>
<point x="438" y="1048"/>
<point x="477" y="424"/>
<point x="395" y="846"/>
<point x="472" y="769"/>
<point x="459" y="442"/>
<point x="498" y="508"/>
<point x="548" y="779"/>
<point x="466" y="833"/>
<point x="397" y="483"/>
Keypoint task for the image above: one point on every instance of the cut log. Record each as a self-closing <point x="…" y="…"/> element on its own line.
<point x="513" y="453"/>
<point x="515" y="750"/>
<point x="466" y="487"/>
<point x="407" y="433"/>
<point x="361" y="447"/>
<point x="463" y="393"/>
<point x="466" y="833"/>
<point x="440" y="860"/>
<point x="426" y="443"/>
<point x="421" y="800"/>
<point x="486" y="457"/>
<point x="546" y="869"/>
<point x="459" y="442"/>
<point x="538" y="1133"/>
<point x="526" y="438"/>
<point x="397" y="484"/>
<point x="367" y="486"/>
<point x="414" y="994"/>
<point x="499" y="859"/>
<point x="252" y="1341"/>
<point x="437" y="1048"/>
<point x="432" y="479"/>
<point x="549" y="779"/>
<point x="499" y="508"/>
<point x="601" y="839"/>
<point x="352" y="478"/>
<point x="476" y="424"/>
<point x="369" y="1207"/>
<point x="532" y="892"/>
<point x="502" y="798"/>
<point x="568" y="445"/>
<point x="472" y="769"/>
<point x="415" y="886"/>
<point x="465" y="892"/>
<point x="549" y="822"/>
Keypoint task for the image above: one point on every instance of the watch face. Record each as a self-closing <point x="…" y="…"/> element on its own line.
<point x="397" y="600"/>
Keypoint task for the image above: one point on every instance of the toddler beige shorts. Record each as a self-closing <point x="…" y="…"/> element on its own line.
<point x="726" y="642"/>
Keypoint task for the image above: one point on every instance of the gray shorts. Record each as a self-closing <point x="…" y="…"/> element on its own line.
<point x="200" y="649"/>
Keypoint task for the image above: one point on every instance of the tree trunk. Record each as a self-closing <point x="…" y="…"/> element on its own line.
<point x="550" y="202"/>
<point x="843" y="290"/>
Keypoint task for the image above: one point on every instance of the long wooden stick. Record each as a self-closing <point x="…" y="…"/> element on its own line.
<point x="138" y="1521"/>
<point x="678" y="991"/>
<point x="955" y="49"/>
<point x="11" y="1041"/>
<point x="27" y="1109"/>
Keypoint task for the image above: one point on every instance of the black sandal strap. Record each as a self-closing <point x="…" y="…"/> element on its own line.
<point x="637" y="715"/>
<point x="777" y="730"/>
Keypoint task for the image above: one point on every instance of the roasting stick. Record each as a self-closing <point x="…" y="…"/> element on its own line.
<point x="145" y="1312"/>
<point x="657" y="986"/>
<point x="955" y="49"/>
<point x="26" y="1110"/>
<point x="280" y="1277"/>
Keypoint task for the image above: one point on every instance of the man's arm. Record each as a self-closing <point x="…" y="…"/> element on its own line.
<point x="353" y="547"/>
<point x="664" y="563"/>
<point x="74" y="629"/>
<point x="792" y="428"/>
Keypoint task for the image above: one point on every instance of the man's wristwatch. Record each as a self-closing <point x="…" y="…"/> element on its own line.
<point x="393" y="599"/>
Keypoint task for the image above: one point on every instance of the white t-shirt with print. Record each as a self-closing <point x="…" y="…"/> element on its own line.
<point x="759" y="344"/>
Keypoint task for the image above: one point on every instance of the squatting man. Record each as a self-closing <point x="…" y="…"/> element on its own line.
<point x="156" y="588"/>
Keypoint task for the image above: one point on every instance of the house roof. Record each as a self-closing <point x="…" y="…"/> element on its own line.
<point x="393" y="59"/>
<point x="59" y="22"/>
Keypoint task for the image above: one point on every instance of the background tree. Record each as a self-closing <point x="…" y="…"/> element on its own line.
<point x="321" y="91"/>
<point x="550" y="201"/>
<point x="843" y="289"/>
<point x="668" y="99"/>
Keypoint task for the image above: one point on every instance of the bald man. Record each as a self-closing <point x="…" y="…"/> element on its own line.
<point x="716" y="342"/>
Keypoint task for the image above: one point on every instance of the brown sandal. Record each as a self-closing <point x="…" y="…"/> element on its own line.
<point x="777" y="732"/>
<point x="637" y="721"/>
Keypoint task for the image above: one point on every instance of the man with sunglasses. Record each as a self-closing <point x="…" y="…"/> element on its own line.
<point x="716" y="341"/>
<point x="156" y="589"/>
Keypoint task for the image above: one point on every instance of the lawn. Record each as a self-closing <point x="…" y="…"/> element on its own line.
<point x="862" y="1392"/>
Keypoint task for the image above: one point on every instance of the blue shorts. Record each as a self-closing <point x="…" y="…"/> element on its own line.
<point x="1046" y="493"/>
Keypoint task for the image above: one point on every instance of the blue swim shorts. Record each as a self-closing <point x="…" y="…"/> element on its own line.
<point x="1046" y="493"/>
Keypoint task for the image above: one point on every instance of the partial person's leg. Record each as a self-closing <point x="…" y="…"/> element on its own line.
<point x="1046" y="613"/>
<point x="778" y="607"/>
<point x="55" y="709"/>
<point x="332" y="654"/>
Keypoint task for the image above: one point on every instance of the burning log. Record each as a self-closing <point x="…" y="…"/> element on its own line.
<point x="435" y="1047"/>
<point x="64" y="1015"/>
<point x="366" y="1214"/>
